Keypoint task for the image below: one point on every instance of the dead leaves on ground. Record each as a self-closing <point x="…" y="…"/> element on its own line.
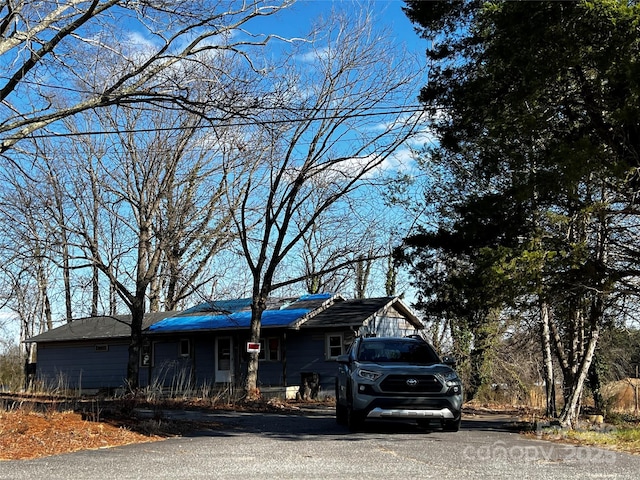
<point x="26" y="435"/>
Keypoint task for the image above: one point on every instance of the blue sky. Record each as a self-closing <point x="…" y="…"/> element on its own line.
<point x="297" y="19"/>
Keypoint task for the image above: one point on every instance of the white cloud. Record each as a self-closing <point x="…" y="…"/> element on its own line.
<point x="313" y="55"/>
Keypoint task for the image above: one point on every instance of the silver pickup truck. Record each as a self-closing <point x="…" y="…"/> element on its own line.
<point x="397" y="378"/>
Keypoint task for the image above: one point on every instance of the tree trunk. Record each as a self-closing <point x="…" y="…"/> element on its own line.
<point x="391" y="279"/>
<point x="475" y="374"/>
<point x="137" y="317"/>
<point x="363" y="270"/>
<point x="154" y="294"/>
<point x="571" y="410"/>
<point x="548" y="371"/>
<point x="258" y="306"/>
<point x="66" y="277"/>
<point x="173" y="266"/>
<point x="595" y="384"/>
<point x="95" y="293"/>
<point x="95" y="240"/>
<point x="113" y="299"/>
<point x="43" y="287"/>
<point x="313" y="284"/>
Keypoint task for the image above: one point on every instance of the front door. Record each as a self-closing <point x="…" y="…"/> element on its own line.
<point x="224" y="360"/>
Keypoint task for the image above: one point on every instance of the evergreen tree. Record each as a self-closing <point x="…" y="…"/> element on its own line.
<point x="536" y="115"/>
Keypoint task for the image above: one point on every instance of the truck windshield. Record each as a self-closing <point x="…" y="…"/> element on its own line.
<point x="397" y="351"/>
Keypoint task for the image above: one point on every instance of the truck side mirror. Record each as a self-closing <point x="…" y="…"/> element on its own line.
<point x="343" y="359"/>
<point x="448" y="360"/>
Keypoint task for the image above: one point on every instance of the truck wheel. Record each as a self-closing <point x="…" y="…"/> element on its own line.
<point x="341" y="414"/>
<point x="451" y="425"/>
<point x="354" y="420"/>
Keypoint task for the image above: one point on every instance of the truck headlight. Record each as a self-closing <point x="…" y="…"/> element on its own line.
<point x="369" y="375"/>
<point x="453" y="383"/>
<point x="451" y="379"/>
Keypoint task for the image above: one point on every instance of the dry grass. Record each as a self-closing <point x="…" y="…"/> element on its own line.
<point x="622" y="439"/>
<point x="620" y="432"/>
<point x="625" y="439"/>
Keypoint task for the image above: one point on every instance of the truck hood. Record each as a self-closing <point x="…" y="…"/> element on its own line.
<point x="406" y="368"/>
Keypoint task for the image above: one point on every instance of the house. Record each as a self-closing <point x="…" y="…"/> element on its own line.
<point x="207" y="344"/>
<point x="87" y="353"/>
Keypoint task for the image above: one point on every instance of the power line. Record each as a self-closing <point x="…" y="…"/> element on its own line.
<point x="238" y="123"/>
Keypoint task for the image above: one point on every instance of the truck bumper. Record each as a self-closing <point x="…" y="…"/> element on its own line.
<point x="410" y="413"/>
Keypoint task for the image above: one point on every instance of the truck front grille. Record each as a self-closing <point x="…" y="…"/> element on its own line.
<point x="411" y="384"/>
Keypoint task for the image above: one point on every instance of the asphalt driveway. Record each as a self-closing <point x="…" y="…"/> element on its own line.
<point x="309" y="446"/>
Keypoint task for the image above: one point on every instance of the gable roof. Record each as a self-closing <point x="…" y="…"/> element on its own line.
<point x="234" y="314"/>
<point x="357" y="312"/>
<point x="97" y="328"/>
<point x="308" y="311"/>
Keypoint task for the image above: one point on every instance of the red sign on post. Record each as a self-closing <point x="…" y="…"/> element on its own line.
<point x="253" y="347"/>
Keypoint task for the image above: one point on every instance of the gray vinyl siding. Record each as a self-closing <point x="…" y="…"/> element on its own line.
<point x="144" y="373"/>
<point x="393" y="324"/>
<point x="270" y="373"/>
<point x="306" y="352"/>
<point x="81" y="366"/>
<point x="171" y="370"/>
<point x="204" y="361"/>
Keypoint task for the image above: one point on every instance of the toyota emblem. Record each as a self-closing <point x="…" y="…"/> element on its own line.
<point x="412" y="382"/>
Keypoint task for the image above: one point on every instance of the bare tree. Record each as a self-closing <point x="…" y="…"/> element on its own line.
<point x="316" y="260"/>
<point x="77" y="55"/>
<point x="335" y="119"/>
<point x="26" y="268"/>
<point x="106" y="57"/>
<point x="160" y="190"/>
<point x="131" y="202"/>
<point x="337" y="240"/>
<point x="195" y="225"/>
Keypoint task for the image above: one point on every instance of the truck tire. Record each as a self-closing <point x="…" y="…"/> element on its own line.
<point x="354" y="419"/>
<point x="341" y="414"/>
<point x="451" y="425"/>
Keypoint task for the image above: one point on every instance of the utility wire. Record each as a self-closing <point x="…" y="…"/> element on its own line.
<point x="223" y="123"/>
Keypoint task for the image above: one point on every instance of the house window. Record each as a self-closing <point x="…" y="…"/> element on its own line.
<point x="102" y="348"/>
<point x="185" y="347"/>
<point x="146" y="354"/>
<point x="269" y="349"/>
<point x="335" y="345"/>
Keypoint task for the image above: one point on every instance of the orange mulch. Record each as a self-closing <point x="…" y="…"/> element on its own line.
<point x="27" y="434"/>
<point x="38" y="427"/>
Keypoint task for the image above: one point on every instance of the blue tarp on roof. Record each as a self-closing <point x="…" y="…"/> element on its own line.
<point x="229" y="306"/>
<point x="315" y="296"/>
<point x="243" y="304"/>
<point x="270" y="318"/>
